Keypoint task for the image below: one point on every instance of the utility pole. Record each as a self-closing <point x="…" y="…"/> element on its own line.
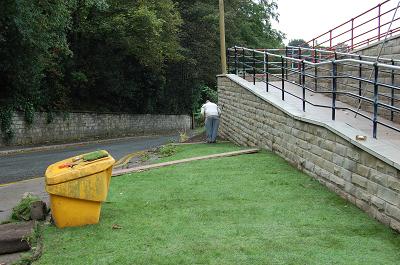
<point x="222" y="35"/>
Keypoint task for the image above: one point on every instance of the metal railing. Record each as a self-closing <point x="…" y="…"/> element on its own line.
<point x="363" y="29"/>
<point x="325" y="72"/>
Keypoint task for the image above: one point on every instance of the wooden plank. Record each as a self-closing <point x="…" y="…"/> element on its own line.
<point x="200" y="142"/>
<point x="170" y="163"/>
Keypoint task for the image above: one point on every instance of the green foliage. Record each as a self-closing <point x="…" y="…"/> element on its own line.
<point x="209" y="94"/>
<point x="144" y="157"/>
<point x="140" y="56"/>
<point x="49" y="117"/>
<point x="298" y="43"/>
<point x="5" y="123"/>
<point x="249" y="24"/>
<point x="65" y="115"/>
<point x="22" y="211"/>
<point x="28" y="112"/>
<point x="167" y="150"/>
<point x="33" y="35"/>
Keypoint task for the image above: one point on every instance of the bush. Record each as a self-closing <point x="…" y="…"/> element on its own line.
<point x="6" y="123"/>
<point x="209" y="93"/>
<point x="22" y="212"/>
<point x="167" y="150"/>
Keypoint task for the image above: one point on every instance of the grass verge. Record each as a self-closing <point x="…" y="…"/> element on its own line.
<point x="251" y="209"/>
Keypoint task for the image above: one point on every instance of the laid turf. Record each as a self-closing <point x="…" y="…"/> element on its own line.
<point x="250" y="209"/>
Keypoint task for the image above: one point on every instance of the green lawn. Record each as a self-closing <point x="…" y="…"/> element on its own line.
<point x="251" y="209"/>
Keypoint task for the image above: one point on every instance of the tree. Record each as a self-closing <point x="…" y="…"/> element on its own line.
<point x="32" y="40"/>
<point x="248" y="23"/>
<point x="138" y="56"/>
<point x="122" y="53"/>
<point x="298" y="43"/>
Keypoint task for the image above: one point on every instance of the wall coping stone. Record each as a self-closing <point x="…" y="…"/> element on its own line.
<point x="378" y="43"/>
<point x="380" y="149"/>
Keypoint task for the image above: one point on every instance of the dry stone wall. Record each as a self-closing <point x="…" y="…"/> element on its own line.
<point x="76" y="126"/>
<point x="354" y="174"/>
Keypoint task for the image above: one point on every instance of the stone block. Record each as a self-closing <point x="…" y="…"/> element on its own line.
<point x="394" y="183"/>
<point x="316" y="150"/>
<point x="393" y="211"/>
<point x="363" y="205"/>
<point x="329" y="145"/>
<point x="329" y="166"/>
<point x="353" y="154"/>
<point x="325" y="174"/>
<point x="342" y="173"/>
<point x="309" y="166"/>
<point x="378" y="203"/>
<point x="378" y="177"/>
<point x="388" y="195"/>
<point x="341" y="141"/>
<point x="380" y="166"/>
<point x="359" y="180"/>
<point x="396" y="49"/>
<point x="349" y="187"/>
<point x="395" y="225"/>
<point x="338" y="160"/>
<point x="363" y="170"/>
<point x="383" y="218"/>
<point x="372" y="187"/>
<point x="391" y="171"/>
<point x="349" y="164"/>
<point x="338" y="181"/>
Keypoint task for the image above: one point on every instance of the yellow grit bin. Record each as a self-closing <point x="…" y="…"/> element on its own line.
<point x="77" y="186"/>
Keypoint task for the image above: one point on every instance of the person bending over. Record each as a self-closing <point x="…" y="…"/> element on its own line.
<point x="211" y="112"/>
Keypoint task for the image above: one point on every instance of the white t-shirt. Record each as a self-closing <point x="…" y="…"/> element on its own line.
<point x="210" y="109"/>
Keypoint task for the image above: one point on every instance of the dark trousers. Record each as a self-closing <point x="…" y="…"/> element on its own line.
<point x="212" y="123"/>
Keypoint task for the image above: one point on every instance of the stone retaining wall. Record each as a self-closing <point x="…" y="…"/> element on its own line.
<point x="391" y="48"/>
<point x="356" y="175"/>
<point x="77" y="126"/>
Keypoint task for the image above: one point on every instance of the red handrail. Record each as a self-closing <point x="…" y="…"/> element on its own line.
<point x="359" y="38"/>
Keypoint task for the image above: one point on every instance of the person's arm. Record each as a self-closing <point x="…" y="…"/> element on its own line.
<point x="219" y="111"/>
<point x="202" y="111"/>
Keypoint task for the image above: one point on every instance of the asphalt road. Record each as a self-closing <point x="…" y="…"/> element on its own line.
<point x="33" y="164"/>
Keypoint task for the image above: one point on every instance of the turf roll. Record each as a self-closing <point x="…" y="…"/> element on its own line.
<point x="95" y="155"/>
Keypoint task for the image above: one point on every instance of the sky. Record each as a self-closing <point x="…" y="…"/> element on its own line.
<point x="307" y="19"/>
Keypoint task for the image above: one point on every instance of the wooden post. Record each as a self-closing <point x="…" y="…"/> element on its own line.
<point x="222" y="35"/>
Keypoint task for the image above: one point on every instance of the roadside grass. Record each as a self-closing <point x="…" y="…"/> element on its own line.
<point x="250" y="209"/>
